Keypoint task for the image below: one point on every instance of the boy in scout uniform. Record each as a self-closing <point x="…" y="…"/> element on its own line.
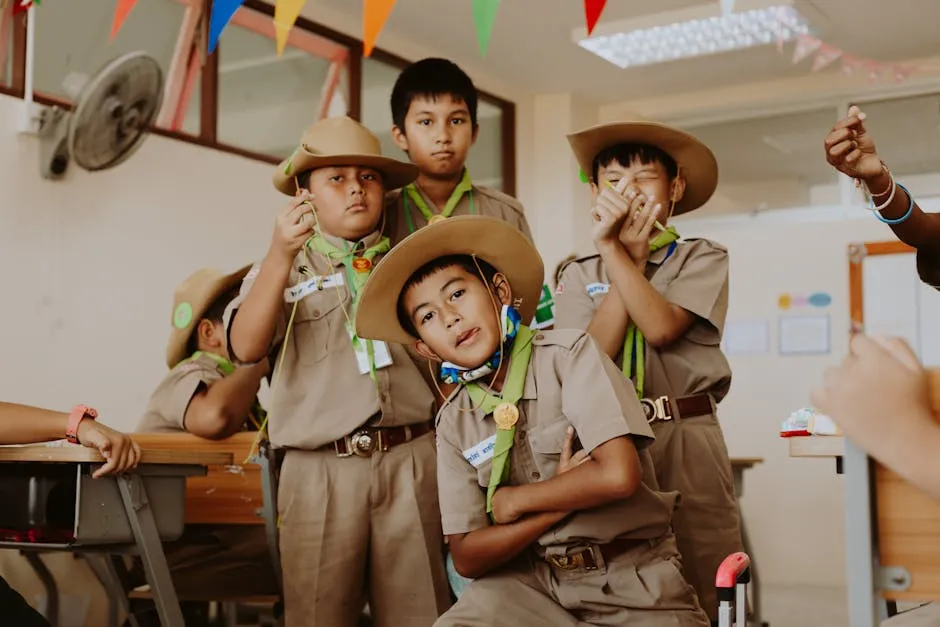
<point x="656" y="305"/>
<point x="548" y="537"/>
<point x="434" y="117"/>
<point x="206" y="395"/>
<point x="357" y="494"/>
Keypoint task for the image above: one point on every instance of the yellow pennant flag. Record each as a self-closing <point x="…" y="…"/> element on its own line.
<point x="374" y="15"/>
<point x="286" y="13"/>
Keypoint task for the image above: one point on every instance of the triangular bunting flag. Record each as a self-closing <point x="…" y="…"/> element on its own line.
<point x="780" y="29"/>
<point x="484" y="15"/>
<point x="21" y="6"/>
<point x="592" y="13"/>
<point x="121" y="12"/>
<point x="850" y="65"/>
<point x="374" y="15"/>
<point x="286" y="13"/>
<point x="901" y="73"/>
<point x="826" y="55"/>
<point x="874" y="71"/>
<point x="805" y="46"/>
<point x="222" y="12"/>
<point x="727" y="7"/>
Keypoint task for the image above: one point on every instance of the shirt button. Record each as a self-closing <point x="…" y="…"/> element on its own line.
<point x="315" y="313"/>
<point x="535" y="475"/>
<point x="540" y="336"/>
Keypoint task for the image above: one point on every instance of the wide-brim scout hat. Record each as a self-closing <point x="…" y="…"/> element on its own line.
<point x="490" y="239"/>
<point x="697" y="163"/>
<point x="190" y="301"/>
<point x="341" y="141"/>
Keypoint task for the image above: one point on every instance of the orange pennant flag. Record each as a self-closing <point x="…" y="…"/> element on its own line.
<point x="374" y="15"/>
<point x="286" y="13"/>
<point x="121" y="12"/>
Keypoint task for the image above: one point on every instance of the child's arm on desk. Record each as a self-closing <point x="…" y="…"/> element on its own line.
<point x="219" y="410"/>
<point x="23" y="424"/>
<point x="252" y="329"/>
<point x="879" y="396"/>
<point x="482" y="550"/>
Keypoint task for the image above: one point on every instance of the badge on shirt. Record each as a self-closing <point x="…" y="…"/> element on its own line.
<point x="380" y="353"/>
<point x="593" y="289"/>
<point x="480" y="453"/>
<point x="316" y="284"/>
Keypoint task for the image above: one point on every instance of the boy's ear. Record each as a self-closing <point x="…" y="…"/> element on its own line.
<point x="678" y="189"/>
<point x="401" y="140"/>
<point x="502" y="289"/>
<point x="425" y="351"/>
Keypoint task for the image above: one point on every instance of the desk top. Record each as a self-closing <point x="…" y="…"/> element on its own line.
<point x="75" y="453"/>
<point x="746" y="462"/>
<point x="817" y="446"/>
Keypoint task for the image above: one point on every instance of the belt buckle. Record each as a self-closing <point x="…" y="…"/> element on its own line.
<point x="655" y="409"/>
<point x="363" y="442"/>
<point x="565" y="561"/>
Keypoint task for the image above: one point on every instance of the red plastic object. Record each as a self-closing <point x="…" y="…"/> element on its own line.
<point x="731" y="569"/>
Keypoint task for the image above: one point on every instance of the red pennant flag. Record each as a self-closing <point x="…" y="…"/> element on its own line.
<point x="874" y="71"/>
<point x="826" y="55"/>
<point x="850" y="65"/>
<point x="592" y="13"/>
<point x="901" y="73"/>
<point x="121" y="12"/>
<point x="22" y="6"/>
<point x="805" y="46"/>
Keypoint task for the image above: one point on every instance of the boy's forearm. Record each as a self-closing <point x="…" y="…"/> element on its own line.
<point x="608" y="327"/>
<point x="920" y="230"/>
<point x="486" y="549"/>
<point x="233" y="397"/>
<point x="22" y="424"/>
<point x="256" y="319"/>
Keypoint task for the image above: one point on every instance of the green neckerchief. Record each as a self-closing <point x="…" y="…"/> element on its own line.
<point x="465" y="186"/>
<point x="510" y="395"/>
<point x="357" y="279"/>
<point x="257" y="413"/>
<point x="635" y="343"/>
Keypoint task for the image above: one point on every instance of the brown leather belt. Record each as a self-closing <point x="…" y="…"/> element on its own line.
<point x="368" y="440"/>
<point x="586" y="558"/>
<point x="665" y="408"/>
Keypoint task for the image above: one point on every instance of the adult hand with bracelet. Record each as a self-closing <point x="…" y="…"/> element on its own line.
<point x="851" y="150"/>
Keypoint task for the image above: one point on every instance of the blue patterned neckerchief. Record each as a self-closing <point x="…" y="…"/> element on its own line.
<point x="509" y="321"/>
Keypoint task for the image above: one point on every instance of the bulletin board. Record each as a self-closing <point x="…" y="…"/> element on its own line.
<point x="887" y="297"/>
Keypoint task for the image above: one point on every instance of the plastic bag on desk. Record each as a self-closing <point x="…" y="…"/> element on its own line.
<point x="808" y="421"/>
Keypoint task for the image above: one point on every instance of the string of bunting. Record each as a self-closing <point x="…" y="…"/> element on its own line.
<point x="824" y="55"/>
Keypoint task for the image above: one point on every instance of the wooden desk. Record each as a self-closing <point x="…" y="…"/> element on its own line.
<point x="739" y="465"/>
<point x="130" y="512"/>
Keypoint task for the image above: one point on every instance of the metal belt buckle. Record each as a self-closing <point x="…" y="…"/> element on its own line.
<point x="655" y="408"/>
<point x="363" y="443"/>
<point x="565" y="561"/>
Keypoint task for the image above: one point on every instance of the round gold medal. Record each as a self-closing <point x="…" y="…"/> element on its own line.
<point x="436" y="218"/>
<point x="505" y="415"/>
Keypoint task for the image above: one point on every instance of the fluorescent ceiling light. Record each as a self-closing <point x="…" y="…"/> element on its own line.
<point x="698" y="37"/>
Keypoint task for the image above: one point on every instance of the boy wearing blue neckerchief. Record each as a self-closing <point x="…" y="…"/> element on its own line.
<point x="656" y="305"/>
<point x="550" y="535"/>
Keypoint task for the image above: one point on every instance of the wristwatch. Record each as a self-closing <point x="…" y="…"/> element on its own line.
<point x="79" y="413"/>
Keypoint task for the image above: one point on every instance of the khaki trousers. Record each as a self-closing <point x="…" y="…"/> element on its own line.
<point x="360" y="529"/>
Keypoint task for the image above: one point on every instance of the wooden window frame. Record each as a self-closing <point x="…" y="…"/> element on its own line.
<point x="191" y="66"/>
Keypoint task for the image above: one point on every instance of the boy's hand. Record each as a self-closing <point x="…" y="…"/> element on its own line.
<point x="120" y="451"/>
<point x="567" y="461"/>
<point x="635" y="233"/>
<point x="879" y="390"/>
<point x="293" y="226"/>
<point x="610" y="211"/>
<point x="851" y="150"/>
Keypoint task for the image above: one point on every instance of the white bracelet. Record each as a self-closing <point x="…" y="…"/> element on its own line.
<point x="871" y="199"/>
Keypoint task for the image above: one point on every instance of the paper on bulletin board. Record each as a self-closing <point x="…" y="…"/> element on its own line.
<point x="746" y="337"/>
<point x="804" y="335"/>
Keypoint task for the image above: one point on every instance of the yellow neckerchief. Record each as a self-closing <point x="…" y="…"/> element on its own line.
<point x="465" y="186"/>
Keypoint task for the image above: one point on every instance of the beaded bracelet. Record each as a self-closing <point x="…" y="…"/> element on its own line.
<point x="907" y="214"/>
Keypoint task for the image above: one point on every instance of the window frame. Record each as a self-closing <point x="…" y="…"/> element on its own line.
<point x="209" y="88"/>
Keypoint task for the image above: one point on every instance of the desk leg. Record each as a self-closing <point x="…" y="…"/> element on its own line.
<point x="140" y="516"/>
<point x="269" y="508"/>
<point x="48" y="582"/>
<point x="864" y="610"/>
<point x="746" y="541"/>
<point x="107" y="575"/>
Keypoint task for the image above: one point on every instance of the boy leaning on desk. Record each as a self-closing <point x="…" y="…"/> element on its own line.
<point x="22" y="424"/>
<point x="879" y="394"/>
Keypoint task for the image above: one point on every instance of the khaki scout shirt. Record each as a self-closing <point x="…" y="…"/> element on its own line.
<point x="166" y="411"/>
<point x="569" y="382"/>
<point x="486" y="202"/>
<point x="694" y="277"/>
<point x="318" y="394"/>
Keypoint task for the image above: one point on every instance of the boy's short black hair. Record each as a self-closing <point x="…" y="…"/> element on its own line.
<point x="214" y="314"/>
<point x="625" y="154"/>
<point x="431" y="78"/>
<point x="472" y="265"/>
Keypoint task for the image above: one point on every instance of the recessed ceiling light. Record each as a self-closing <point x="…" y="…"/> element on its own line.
<point x="698" y="37"/>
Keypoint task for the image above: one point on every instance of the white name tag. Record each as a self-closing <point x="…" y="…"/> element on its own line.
<point x="316" y="284"/>
<point x="380" y="352"/>
<point x="480" y="453"/>
<point x="597" y="288"/>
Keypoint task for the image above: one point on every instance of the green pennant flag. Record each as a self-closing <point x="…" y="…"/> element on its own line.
<point x="484" y="15"/>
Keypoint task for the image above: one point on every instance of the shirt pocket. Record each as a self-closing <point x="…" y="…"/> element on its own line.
<point x="547" y="442"/>
<point x="317" y="321"/>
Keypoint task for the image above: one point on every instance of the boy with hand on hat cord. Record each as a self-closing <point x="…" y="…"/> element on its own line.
<point x="656" y="305"/>
<point x="434" y="116"/>
<point x="550" y="537"/>
<point x="206" y="395"/>
<point x="357" y="496"/>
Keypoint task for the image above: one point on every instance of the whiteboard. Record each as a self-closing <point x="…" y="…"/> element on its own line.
<point x="896" y="302"/>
